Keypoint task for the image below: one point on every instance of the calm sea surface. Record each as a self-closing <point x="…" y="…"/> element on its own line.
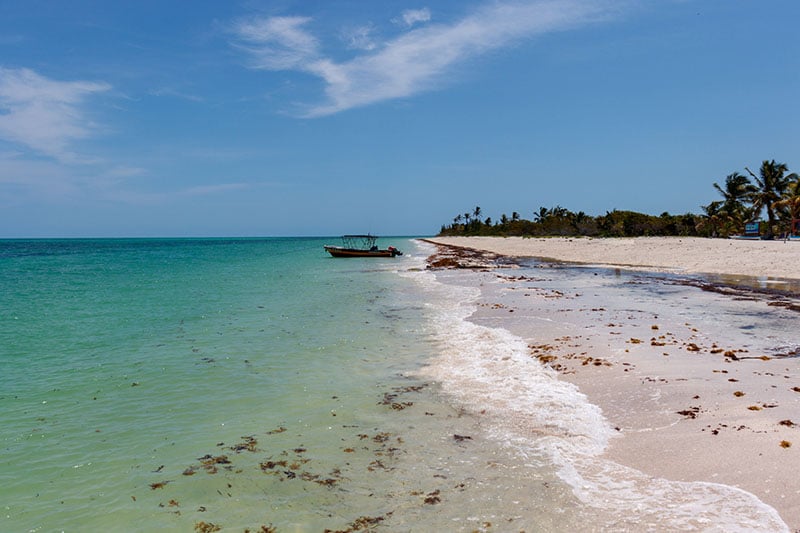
<point x="180" y="385"/>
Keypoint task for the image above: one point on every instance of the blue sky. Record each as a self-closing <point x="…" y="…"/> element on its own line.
<point x="255" y="118"/>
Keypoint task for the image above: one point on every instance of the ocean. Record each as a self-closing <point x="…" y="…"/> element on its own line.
<point x="258" y="384"/>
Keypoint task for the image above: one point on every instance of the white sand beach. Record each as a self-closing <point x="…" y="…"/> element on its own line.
<point x="775" y="259"/>
<point x="688" y="402"/>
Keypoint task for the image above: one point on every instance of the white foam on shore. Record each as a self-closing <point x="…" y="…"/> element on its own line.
<point x="490" y="372"/>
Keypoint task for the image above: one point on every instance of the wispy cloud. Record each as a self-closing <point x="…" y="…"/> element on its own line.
<point x="45" y="115"/>
<point x="277" y="43"/>
<point x="360" y="38"/>
<point x="420" y="59"/>
<point x="409" y="17"/>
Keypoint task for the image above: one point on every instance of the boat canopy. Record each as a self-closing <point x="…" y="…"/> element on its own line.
<point x="360" y="242"/>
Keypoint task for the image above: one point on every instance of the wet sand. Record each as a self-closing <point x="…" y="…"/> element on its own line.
<point x="687" y="405"/>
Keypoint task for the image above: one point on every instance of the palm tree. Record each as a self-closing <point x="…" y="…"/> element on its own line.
<point x="771" y="185"/>
<point x="541" y="215"/>
<point x="577" y="219"/>
<point x="790" y="203"/>
<point x="477" y="213"/>
<point x="738" y="190"/>
<point x="713" y="217"/>
<point x="732" y="213"/>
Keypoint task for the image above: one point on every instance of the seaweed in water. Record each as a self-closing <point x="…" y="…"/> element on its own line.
<point x="362" y="523"/>
<point x="206" y="527"/>
<point x="432" y="498"/>
<point x="248" y="444"/>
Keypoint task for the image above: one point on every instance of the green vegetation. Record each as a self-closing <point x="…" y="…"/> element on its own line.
<point x="742" y="202"/>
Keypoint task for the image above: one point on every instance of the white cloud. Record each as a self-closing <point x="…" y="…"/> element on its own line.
<point x="44" y="115"/>
<point x="418" y="60"/>
<point x="409" y="17"/>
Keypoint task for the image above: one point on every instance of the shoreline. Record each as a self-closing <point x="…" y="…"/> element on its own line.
<point x="727" y="259"/>
<point x="687" y="405"/>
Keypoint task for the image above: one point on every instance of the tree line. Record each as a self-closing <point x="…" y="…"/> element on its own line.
<point x="744" y="198"/>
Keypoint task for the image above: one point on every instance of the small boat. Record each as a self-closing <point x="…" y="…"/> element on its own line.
<point x="360" y="246"/>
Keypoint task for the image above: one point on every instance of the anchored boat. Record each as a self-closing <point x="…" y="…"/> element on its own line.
<point x="361" y="246"/>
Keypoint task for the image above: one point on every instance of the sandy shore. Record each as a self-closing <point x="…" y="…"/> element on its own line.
<point x="688" y="403"/>
<point x="773" y="259"/>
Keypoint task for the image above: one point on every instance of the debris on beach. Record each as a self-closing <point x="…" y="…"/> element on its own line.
<point x="452" y="257"/>
<point x="596" y="361"/>
<point x="691" y="412"/>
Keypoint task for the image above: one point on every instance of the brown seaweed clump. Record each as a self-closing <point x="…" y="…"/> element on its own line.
<point x="362" y="523"/>
<point x="432" y="498"/>
<point x="691" y="412"/>
<point x="449" y="257"/>
<point x="206" y="527"/>
<point x="248" y="444"/>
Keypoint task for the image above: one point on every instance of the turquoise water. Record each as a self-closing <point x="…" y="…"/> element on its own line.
<point x="125" y="361"/>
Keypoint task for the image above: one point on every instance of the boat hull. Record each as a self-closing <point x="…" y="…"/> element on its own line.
<point x="338" y="251"/>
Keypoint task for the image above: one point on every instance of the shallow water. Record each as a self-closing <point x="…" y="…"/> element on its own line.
<point x="126" y="361"/>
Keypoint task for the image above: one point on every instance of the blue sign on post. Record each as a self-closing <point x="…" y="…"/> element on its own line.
<point x="751" y="229"/>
